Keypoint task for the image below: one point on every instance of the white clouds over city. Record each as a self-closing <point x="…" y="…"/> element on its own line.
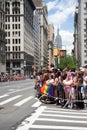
<point x="61" y="12"/>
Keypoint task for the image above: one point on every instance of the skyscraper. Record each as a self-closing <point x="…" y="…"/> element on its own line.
<point x="2" y="37"/>
<point x="58" y="40"/>
<point x="19" y="30"/>
<point x="36" y="26"/>
<point x="50" y="43"/>
<point x="43" y="14"/>
<point x="80" y="33"/>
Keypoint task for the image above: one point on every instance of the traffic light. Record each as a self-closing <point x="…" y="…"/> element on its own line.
<point x="62" y="53"/>
<point x="55" y="52"/>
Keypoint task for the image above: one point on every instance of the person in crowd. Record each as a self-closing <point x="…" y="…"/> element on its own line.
<point x="69" y="90"/>
<point x="38" y="83"/>
<point x="80" y="102"/>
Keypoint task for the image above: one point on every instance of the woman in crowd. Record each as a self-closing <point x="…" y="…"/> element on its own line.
<point x="67" y="85"/>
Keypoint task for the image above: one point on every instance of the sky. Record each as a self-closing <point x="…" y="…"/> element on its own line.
<point x="61" y="14"/>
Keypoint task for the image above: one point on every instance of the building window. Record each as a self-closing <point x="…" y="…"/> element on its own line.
<point x="19" y="48"/>
<point x="18" y="26"/>
<point x="8" y="26"/>
<point x="13" y="48"/>
<point x="19" y="41"/>
<point x="8" y="41"/>
<point x="13" y="41"/>
<point x="16" y="48"/>
<point x="12" y="26"/>
<point x="15" y="26"/>
<point x="12" y="33"/>
<point x="8" y="48"/>
<point x="8" y="34"/>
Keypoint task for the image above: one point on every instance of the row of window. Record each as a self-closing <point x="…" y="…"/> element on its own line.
<point x="14" y="34"/>
<point x="14" y="41"/>
<point x="14" y="48"/>
<point x="14" y="26"/>
<point x="14" y="11"/>
<point x="14" y="4"/>
<point x="14" y="19"/>
<point x="14" y="56"/>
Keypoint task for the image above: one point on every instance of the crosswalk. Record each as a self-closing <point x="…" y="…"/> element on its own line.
<point x="52" y="118"/>
<point x="46" y="117"/>
<point x="17" y="100"/>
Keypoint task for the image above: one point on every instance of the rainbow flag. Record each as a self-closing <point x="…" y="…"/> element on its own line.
<point x="47" y="89"/>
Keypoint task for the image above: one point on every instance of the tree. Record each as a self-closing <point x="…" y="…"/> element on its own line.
<point x="67" y="61"/>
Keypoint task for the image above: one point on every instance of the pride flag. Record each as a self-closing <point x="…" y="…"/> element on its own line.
<point x="47" y="89"/>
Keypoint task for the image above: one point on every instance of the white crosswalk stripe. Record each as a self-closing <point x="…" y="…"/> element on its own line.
<point x="23" y="101"/>
<point x="5" y="95"/>
<point x="55" y="119"/>
<point x="37" y="104"/>
<point x="9" y="100"/>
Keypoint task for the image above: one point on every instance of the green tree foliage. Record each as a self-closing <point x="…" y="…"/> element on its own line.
<point x="68" y="61"/>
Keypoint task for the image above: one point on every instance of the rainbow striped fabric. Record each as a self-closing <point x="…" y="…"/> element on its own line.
<point x="47" y="89"/>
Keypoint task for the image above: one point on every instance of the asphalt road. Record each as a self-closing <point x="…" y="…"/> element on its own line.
<point x="16" y="99"/>
<point x="20" y="110"/>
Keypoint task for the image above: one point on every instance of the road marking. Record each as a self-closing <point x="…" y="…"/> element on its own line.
<point x="37" y="104"/>
<point x="61" y="120"/>
<point x="69" y="110"/>
<point x="65" y="112"/>
<point x="9" y="100"/>
<point x="5" y="95"/>
<point x="18" y="90"/>
<point x="23" y="101"/>
<point x="31" y="120"/>
<point x="45" y="127"/>
<point x="67" y="116"/>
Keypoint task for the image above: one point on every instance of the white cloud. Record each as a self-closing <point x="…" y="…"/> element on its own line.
<point x="62" y="10"/>
<point x="67" y="36"/>
<point x="51" y="5"/>
<point x="67" y="40"/>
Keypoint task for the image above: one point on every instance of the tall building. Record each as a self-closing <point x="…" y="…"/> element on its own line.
<point x="36" y="26"/>
<point x="43" y="14"/>
<point x="50" y="43"/>
<point x="75" y="43"/>
<point x="82" y="33"/>
<point x="58" y="40"/>
<point x="2" y="38"/>
<point x="19" y="36"/>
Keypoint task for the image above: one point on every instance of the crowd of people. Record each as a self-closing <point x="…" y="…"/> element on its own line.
<point x="14" y="77"/>
<point x="68" y="86"/>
